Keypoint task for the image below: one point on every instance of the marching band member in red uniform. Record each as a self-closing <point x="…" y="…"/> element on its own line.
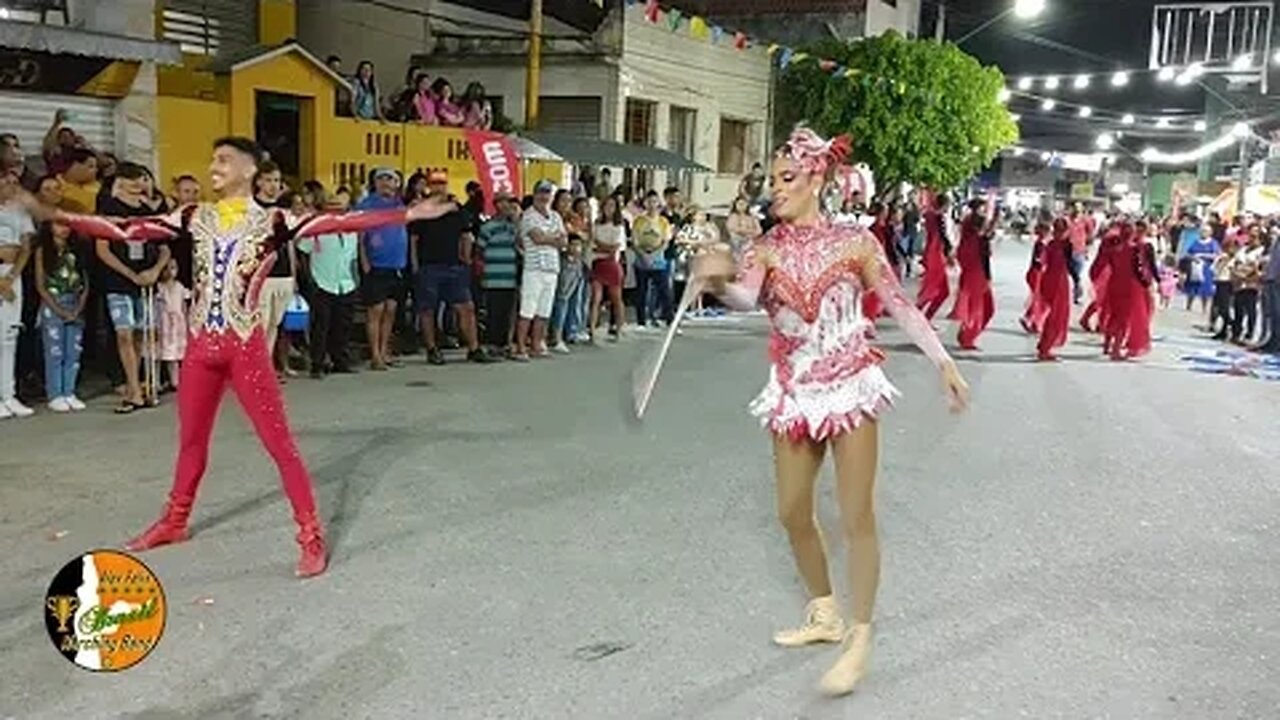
<point x="882" y="230"/>
<point x="1130" y="305"/>
<point x="1035" y="311"/>
<point x="975" y="305"/>
<point x="934" y="286"/>
<point x="1100" y="275"/>
<point x="235" y="245"/>
<point x="1054" y="290"/>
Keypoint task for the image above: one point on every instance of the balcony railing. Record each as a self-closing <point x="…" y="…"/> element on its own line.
<point x="1227" y="38"/>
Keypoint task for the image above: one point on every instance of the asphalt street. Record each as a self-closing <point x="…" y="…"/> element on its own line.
<point x="1091" y="540"/>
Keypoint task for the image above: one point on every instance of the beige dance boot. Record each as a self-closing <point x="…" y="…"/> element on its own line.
<point x="852" y="665"/>
<point x="822" y="624"/>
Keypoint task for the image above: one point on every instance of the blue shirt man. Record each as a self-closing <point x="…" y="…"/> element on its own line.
<point x="387" y="247"/>
<point x="384" y="256"/>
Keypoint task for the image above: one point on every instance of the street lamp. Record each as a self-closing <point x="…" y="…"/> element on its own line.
<point x="1025" y="9"/>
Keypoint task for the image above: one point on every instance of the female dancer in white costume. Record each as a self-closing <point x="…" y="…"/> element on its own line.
<point x="826" y="386"/>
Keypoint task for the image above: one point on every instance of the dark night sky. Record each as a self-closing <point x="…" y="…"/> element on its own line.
<point x="1070" y="37"/>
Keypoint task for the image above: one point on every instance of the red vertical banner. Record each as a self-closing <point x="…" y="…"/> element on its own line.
<point x="497" y="166"/>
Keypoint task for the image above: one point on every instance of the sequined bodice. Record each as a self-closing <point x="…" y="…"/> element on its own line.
<point x="813" y="294"/>
<point x="230" y="264"/>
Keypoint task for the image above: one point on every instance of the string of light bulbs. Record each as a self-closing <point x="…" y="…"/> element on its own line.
<point x="1107" y="143"/>
<point x="1181" y="76"/>
<point x="1188" y="122"/>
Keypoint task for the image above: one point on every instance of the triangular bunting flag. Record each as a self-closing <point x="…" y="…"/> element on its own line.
<point x="786" y="57"/>
<point x="827" y="65"/>
<point x="740" y="42"/>
<point x="673" y="19"/>
<point x="717" y="32"/>
<point x="652" y="12"/>
<point x="698" y="28"/>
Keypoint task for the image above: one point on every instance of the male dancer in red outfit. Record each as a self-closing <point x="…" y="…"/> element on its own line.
<point x="1054" y="291"/>
<point x="235" y="245"/>
<point x="1133" y="270"/>
<point x="934" y="287"/>
<point x="975" y="305"/>
<point x="1034" y="313"/>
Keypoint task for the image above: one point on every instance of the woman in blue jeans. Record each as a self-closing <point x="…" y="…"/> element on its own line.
<point x="63" y="286"/>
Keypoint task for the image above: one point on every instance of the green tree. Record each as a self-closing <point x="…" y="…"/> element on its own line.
<point x="918" y="111"/>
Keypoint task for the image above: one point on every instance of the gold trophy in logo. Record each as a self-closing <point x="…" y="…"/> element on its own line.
<point x="62" y="607"/>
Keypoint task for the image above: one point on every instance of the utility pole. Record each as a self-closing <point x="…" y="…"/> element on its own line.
<point x="940" y="27"/>
<point x="533" y="80"/>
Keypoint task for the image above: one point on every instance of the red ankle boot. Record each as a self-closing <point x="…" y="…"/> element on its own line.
<point x="314" y="558"/>
<point x="170" y="528"/>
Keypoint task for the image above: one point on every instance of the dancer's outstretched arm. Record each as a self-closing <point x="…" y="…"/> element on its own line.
<point x="880" y="279"/>
<point x="155" y="228"/>
<point x="325" y="223"/>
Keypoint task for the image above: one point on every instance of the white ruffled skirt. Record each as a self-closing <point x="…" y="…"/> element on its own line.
<point x="823" y="411"/>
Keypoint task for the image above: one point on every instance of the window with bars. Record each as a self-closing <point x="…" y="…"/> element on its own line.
<point x="209" y="27"/>
<point x="195" y="34"/>
<point x="734" y="145"/>
<point x="639" y="129"/>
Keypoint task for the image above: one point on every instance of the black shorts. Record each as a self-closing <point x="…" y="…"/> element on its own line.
<point x="450" y="284"/>
<point x="382" y="284"/>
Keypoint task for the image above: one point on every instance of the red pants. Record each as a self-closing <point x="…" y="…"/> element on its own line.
<point x="212" y="361"/>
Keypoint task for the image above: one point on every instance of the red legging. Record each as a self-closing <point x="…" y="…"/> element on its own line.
<point x="213" y="360"/>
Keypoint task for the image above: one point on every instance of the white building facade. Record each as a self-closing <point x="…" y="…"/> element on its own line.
<point x="641" y="83"/>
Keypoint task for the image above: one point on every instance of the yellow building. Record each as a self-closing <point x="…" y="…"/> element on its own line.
<point x="285" y="98"/>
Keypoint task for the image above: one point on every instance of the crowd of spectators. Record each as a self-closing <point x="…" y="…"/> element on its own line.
<point x="526" y="278"/>
<point x="423" y="99"/>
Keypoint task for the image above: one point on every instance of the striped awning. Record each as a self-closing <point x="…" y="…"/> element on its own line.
<point x="68" y="41"/>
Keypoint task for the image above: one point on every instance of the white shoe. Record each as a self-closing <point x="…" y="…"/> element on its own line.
<point x="75" y="403"/>
<point x="843" y="677"/>
<point x="561" y="348"/>
<point x="60" y="405"/>
<point x="17" y="409"/>
<point x="822" y="624"/>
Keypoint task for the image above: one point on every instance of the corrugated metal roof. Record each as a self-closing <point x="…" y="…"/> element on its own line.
<point x="581" y="151"/>
<point x="62" y="40"/>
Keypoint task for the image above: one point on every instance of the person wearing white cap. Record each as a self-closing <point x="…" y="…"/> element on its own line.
<point x="543" y="236"/>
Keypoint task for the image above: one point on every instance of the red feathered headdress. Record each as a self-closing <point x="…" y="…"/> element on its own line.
<point x="817" y="156"/>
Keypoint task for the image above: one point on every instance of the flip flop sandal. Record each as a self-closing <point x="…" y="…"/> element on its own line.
<point x="126" y="408"/>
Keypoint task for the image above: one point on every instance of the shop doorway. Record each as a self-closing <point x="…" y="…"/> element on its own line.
<point x="278" y="129"/>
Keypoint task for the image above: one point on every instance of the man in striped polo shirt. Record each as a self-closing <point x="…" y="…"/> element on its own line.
<point x="498" y="238"/>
